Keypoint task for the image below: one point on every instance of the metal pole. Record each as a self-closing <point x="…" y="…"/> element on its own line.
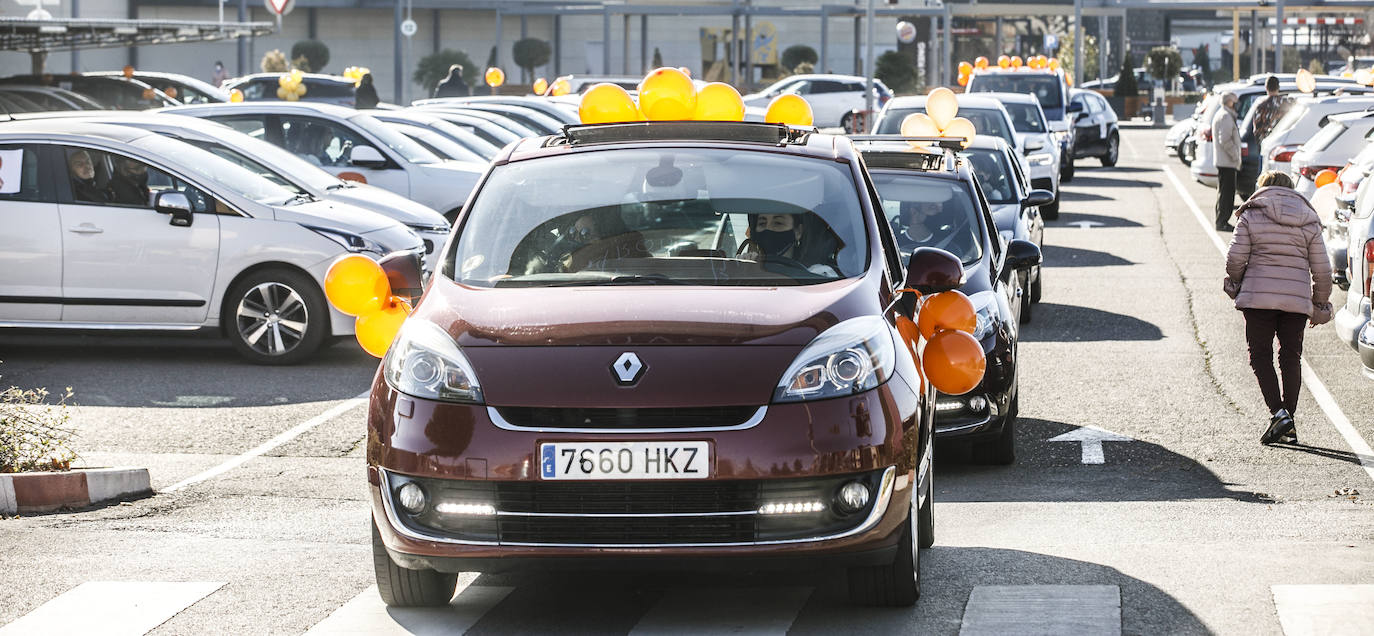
<point x="1278" y="37"/>
<point x="1235" y="45"/>
<point x="1254" y="43"/>
<point x="733" y="52"/>
<point x="748" y="46"/>
<point x="437" y="31"/>
<point x="625" y="47"/>
<point x="644" y="44"/>
<point x="997" y="40"/>
<point x="557" y="45"/>
<point x="76" y="13"/>
<point x="858" y="42"/>
<point x="605" y="39"/>
<point x="868" y="70"/>
<point x="1077" y="42"/>
<point x="398" y="69"/>
<point x="825" y="42"/>
<point x="243" y="41"/>
<point x="500" y="30"/>
<point x="133" y="50"/>
<point x="948" y="52"/>
<point x="1101" y="48"/>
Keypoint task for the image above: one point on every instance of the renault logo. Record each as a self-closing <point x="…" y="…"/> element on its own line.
<point x="627" y="368"/>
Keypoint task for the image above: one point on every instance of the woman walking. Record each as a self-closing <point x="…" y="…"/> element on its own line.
<point x="1278" y="274"/>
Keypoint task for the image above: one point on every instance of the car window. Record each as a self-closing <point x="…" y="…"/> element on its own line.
<point x="688" y="216"/>
<point x="324" y="89"/>
<point x="1026" y="118"/>
<point x="994" y="175"/>
<point x="251" y="125"/>
<point x="1047" y="89"/>
<point x="245" y="161"/>
<point x="828" y="86"/>
<point x="319" y="141"/>
<point x="928" y="211"/>
<point x="255" y="90"/>
<point x="100" y="177"/>
<point x="398" y="143"/>
<point x="19" y="174"/>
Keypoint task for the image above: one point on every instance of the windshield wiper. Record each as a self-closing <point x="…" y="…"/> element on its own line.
<point x="628" y="279"/>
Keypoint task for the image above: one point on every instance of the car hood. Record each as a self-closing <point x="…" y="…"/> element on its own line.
<point x="388" y="204"/>
<point x="700" y="346"/>
<point x="333" y="215"/>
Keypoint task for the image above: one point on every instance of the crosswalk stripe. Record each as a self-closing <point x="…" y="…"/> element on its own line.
<point x="734" y="611"/>
<point x="110" y="608"/>
<point x="1057" y="610"/>
<point x="367" y="614"/>
<point x="1332" y="610"/>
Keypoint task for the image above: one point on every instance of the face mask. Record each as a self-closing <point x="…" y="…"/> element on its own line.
<point x="774" y="243"/>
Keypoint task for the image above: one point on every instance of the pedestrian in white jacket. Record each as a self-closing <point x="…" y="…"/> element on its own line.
<point x="1226" y="143"/>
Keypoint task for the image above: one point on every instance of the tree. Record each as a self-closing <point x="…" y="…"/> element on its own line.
<point x="897" y="71"/>
<point x="658" y="58"/>
<point x="1066" y="55"/>
<point x="530" y="53"/>
<point x="274" y="61"/>
<point x="1126" y="85"/>
<point x="797" y="54"/>
<point x="314" y="52"/>
<point x="1316" y="67"/>
<point x="1164" y="63"/>
<point x="433" y="68"/>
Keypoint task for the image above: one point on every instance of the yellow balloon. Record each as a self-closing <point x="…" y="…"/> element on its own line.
<point x="356" y="285"/>
<point x="540" y="85"/>
<point x="236" y="96"/>
<point x="942" y="106"/>
<point x="790" y="109"/>
<point x="1054" y="64"/>
<point x="495" y="77"/>
<point x="960" y="127"/>
<point x="300" y="90"/>
<point x="560" y="87"/>
<point x="607" y="104"/>
<point x="282" y="92"/>
<point x="1305" y="81"/>
<point x="719" y="102"/>
<point x="919" y="125"/>
<point x="375" y="330"/>
<point x="667" y="94"/>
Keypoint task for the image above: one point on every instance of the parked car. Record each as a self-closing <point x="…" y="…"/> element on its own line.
<point x="351" y="146"/>
<point x="442" y="146"/>
<point x="51" y="97"/>
<point x="578" y="84"/>
<point x="1343" y="137"/>
<point x="1016" y="208"/>
<point x="1178" y="141"/>
<point x="110" y="92"/>
<point x="165" y="236"/>
<point x="461" y="135"/>
<point x="988" y="115"/>
<point x="1039" y="146"/>
<point x="183" y="88"/>
<point x="1052" y="91"/>
<point x="832" y="97"/>
<point x="545" y="106"/>
<point x="1305" y="118"/>
<point x="491" y="127"/>
<point x="12" y="103"/>
<point x="529" y="118"/>
<point x="1352" y="317"/>
<point x="939" y="206"/>
<point x="328" y="89"/>
<point x="654" y="251"/>
<point x="1096" y="131"/>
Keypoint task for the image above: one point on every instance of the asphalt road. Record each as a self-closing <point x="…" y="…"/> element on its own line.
<point x="1190" y="527"/>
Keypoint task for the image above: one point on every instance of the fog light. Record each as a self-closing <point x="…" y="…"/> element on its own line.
<point x="791" y="507"/>
<point x="411" y="497"/>
<point x="852" y="497"/>
<point x="946" y="406"/>
<point x="977" y="403"/>
<point x="469" y="509"/>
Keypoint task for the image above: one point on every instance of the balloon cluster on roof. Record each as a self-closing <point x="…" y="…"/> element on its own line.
<point x="669" y="94"/>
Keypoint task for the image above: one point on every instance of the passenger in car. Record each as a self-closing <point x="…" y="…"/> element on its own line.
<point x="596" y="237"/>
<point x="130" y="183"/>
<point x="792" y="236"/>
<point x="81" y="170"/>
<point x="926" y="224"/>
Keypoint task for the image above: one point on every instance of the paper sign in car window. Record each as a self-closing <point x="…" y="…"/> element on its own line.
<point x="11" y="163"/>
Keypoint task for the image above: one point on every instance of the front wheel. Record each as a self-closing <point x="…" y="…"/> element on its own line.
<point x="276" y="316"/>
<point x="1183" y="153"/>
<point x="1066" y="170"/>
<point x="897" y="584"/>
<point x="1051" y="210"/>
<point x="1113" y="151"/>
<point x="1026" y="301"/>
<point x="402" y="587"/>
<point x="1038" y="286"/>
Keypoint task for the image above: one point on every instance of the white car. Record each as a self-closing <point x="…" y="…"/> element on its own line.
<point x="1038" y="144"/>
<point x="463" y="136"/>
<point x="352" y="146"/>
<point x="1332" y="147"/>
<point x="1304" y="119"/>
<point x="831" y="96"/>
<point x="116" y="228"/>
<point x="1352" y="317"/>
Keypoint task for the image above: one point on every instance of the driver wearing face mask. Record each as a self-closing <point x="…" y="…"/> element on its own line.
<point x="773" y="235"/>
<point x="130" y="183"/>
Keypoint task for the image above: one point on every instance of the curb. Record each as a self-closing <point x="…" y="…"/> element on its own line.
<point x="78" y="488"/>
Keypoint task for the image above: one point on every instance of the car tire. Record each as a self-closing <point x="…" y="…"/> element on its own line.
<point x="301" y="303"/>
<point x="1113" y="151"/>
<point x="1001" y="450"/>
<point x="1051" y="211"/>
<point x="1183" y="154"/>
<point x="1026" y="303"/>
<point x="1038" y="285"/>
<point x="896" y="584"/>
<point x="403" y="587"/>
<point x="926" y="514"/>
<point x="1066" y="171"/>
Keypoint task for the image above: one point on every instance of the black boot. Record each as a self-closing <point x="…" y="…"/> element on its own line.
<point x="1280" y="425"/>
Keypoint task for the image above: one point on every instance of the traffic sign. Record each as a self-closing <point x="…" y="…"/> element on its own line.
<point x="280" y="7"/>
<point x="408" y="28"/>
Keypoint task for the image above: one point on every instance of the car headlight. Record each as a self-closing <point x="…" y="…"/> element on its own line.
<point x="350" y="241"/>
<point x="1040" y="159"/>
<point x="851" y="357"/>
<point x="984" y="303"/>
<point x="425" y="362"/>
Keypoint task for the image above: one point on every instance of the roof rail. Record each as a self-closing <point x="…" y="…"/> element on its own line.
<point x="748" y="132"/>
<point x="947" y="143"/>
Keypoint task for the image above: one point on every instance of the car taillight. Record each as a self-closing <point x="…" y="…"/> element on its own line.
<point x="1245" y="150"/>
<point x="1206" y="134"/>
<point x="1368" y="264"/>
<point x="1283" y="153"/>
<point x="1311" y="171"/>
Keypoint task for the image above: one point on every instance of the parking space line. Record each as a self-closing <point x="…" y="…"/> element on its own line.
<point x="718" y="611"/>
<point x="1062" y="610"/>
<point x="112" y="608"/>
<point x="1314" y="384"/>
<point x="281" y="438"/>
<point x="367" y="614"/>
<point x="1326" y="610"/>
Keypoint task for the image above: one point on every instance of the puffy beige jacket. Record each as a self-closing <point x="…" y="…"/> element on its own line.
<point x="1277" y="253"/>
<point x="1226" y="138"/>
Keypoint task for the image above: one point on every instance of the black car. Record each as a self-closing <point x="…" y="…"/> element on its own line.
<point x="935" y="204"/>
<point x="1095" y="129"/>
<point x="115" y="93"/>
<point x="1015" y="208"/>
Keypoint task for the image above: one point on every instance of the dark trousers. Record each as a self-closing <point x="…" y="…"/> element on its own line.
<point x="1226" y="195"/>
<point x="1261" y="327"/>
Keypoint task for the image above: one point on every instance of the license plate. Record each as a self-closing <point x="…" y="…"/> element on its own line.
<point x="625" y="460"/>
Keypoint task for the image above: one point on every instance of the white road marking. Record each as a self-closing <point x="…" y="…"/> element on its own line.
<point x="1325" y="610"/>
<point x="1083" y="225"/>
<point x="1314" y="384"/>
<point x="110" y="608"/>
<point x="1061" y="610"/>
<point x="1091" y="437"/>
<point x="367" y="614"/>
<point x="717" y="611"/>
<point x="1130" y="147"/>
<point x="281" y="438"/>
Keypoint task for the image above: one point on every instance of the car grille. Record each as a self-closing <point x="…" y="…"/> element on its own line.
<point x="627" y="419"/>
<point x="633" y="513"/>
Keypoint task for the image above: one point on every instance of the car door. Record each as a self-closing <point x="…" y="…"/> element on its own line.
<point x="30" y="236"/>
<point x="124" y="262"/>
<point x="1085" y="126"/>
<point x="330" y="145"/>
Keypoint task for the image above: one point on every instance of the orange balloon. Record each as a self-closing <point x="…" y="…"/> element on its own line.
<point x="718" y="102"/>
<point x="965" y="68"/>
<point x="375" y="330"/>
<point x="667" y="94"/>
<point x="1054" y="64"/>
<point x="540" y="85"/>
<point x="980" y="63"/>
<point x="954" y="362"/>
<point x="963" y="80"/>
<point x="495" y="77"/>
<point x="128" y="72"/>
<point x="1325" y="176"/>
<point x="607" y="104"/>
<point x="946" y="310"/>
<point x="791" y="110"/>
<point x="1016" y="61"/>
<point x="1003" y="61"/>
<point x="356" y="285"/>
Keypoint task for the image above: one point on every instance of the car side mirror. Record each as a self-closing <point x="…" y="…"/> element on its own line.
<point x="176" y="205"/>
<point x="404" y="272"/>
<point x="1022" y="254"/>
<point x="932" y="270"/>
<point x="1075" y="107"/>
<point x="1037" y="198"/>
<point x="366" y="157"/>
<point x="1034" y="144"/>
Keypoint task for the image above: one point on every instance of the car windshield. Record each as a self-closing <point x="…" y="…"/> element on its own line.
<point x="986" y="121"/>
<point x="1026" y="118"/>
<point x="1047" y="89"/>
<point x="663" y="216"/>
<point x="1291" y="118"/>
<point x="229" y="175"/>
<point x="1323" y="138"/>
<point x="230" y="154"/>
<point x="927" y="211"/>
<point x="272" y="157"/>
<point x="405" y="146"/>
<point x="994" y="175"/>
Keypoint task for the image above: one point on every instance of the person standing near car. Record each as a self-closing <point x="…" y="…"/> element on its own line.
<point x="453" y="85"/>
<point x="365" y="95"/>
<point x="1226" y="142"/>
<point x="1280" y="278"/>
<point x="1271" y="109"/>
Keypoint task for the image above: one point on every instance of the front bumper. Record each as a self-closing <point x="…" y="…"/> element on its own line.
<point x="997" y="391"/>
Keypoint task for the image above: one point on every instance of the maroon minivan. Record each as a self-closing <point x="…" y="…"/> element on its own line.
<point x="667" y="344"/>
